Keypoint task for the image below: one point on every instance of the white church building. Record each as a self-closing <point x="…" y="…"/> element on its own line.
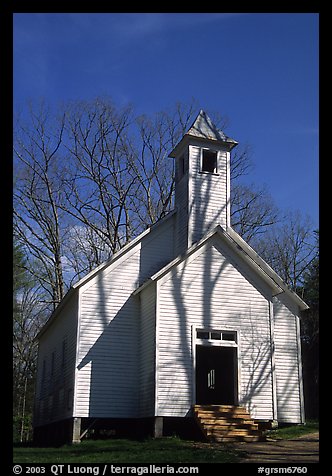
<point x="185" y="319"/>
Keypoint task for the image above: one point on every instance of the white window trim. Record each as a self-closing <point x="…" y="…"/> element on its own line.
<point x="201" y="161"/>
<point x="195" y="341"/>
<point x="218" y="342"/>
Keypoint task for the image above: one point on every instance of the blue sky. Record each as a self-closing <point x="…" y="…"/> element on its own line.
<point x="260" y="70"/>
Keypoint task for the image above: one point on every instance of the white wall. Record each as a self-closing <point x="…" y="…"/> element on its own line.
<point x="212" y="289"/>
<point x="287" y="361"/>
<point x="57" y="355"/>
<point x="147" y="350"/>
<point x="207" y="194"/>
<point x="109" y="370"/>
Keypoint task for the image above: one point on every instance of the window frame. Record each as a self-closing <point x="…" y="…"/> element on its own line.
<point x="182" y="166"/>
<point x="209" y="340"/>
<point x="211" y="151"/>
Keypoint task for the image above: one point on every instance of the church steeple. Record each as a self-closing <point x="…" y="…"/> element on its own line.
<point x="202" y="173"/>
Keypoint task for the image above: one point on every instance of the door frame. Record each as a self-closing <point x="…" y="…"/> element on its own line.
<point x="219" y="343"/>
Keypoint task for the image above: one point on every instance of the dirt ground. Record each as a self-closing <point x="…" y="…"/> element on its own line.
<point x="304" y="449"/>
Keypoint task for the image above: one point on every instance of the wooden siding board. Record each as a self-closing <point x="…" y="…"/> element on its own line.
<point x="181" y="200"/>
<point x="208" y="194"/>
<point x="57" y="387"/>
<point x="112" y="333"/>
<point x="287" y="362"/>
<point x="147" y="352"/>
<point x="211" y="292"/>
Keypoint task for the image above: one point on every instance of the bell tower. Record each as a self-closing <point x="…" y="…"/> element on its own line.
<point x="202" y="181"/>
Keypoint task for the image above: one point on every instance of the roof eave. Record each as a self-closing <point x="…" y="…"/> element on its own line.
<point x="228" y="143"/>
<point x="56" y="311"/>
<point x="260" y="263"/>
<point x="123" y="250"/>
<point x="274" y="281"/>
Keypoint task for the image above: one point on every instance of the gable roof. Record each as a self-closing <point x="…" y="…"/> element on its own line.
<point x="246" y="253"/>
<point x="203" y="128"/>
<point x="123" y="250"/>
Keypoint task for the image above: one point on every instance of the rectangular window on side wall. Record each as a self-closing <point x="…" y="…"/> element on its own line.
<point x="182" y="167"/>
<point x="44" y="371"/>
<point x="64" y="354"/>
<point x="61" y="398"/>
<point x="70" y="395"/>
<point x="41" y="409"/>
<point x="209" y="162"/>
<point x="52" y="364"/>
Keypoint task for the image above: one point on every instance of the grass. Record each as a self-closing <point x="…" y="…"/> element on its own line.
<point x="293" y="431"/>
<point x="164" y="450"/>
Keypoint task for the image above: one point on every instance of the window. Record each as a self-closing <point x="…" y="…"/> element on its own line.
<point x="216" y="335"/>
<point x="203" y="335"/>
<point x="229" y="336"/>
<point x="44" y="371"/>
<point x="64" y="354"/>
<point x="70" y="394"/>
<point x="182" y="167"/>
<point x="52" y="364"/>
<point x="61" y="397"/>
<point x="50" y="403"/>
<point x="209" y="161"/>
<point x="41" y="408"/>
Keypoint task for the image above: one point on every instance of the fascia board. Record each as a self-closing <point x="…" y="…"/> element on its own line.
<point x="121" y="252"/>
<point x="243" y="250"/>
<point x="260" y="264"/>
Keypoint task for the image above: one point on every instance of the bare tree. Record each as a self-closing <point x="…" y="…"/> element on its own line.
<point x="290" y="247"/>
<point x="253" y="210"/>
<point x="28" y="316"/>
<point x="83" y="250"/>
<point x="119" y="177"/>
<point x="37" y="192"/>
<point x="98" y="176"/>
<point x="152" y="165"/>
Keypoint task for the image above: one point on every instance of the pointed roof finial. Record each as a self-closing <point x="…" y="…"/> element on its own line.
<point x="204" y="128"/>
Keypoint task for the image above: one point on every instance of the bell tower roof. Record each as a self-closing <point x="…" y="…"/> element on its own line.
<point x="204" y="129"/>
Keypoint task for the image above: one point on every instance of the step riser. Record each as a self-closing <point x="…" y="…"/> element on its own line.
<point x="218" y="414"/>
<point x="223" y="423"/>
<point x="229" y="427"/>
<point x="220" y="409"/>
<point x="231" y="433"/>
<point x="248" y="439"/>
<point x="243" y="411"/>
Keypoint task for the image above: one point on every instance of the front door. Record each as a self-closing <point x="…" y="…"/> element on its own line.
<point x="216" y="375"/>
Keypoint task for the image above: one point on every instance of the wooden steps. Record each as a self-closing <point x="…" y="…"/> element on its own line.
<point x="222" y="423"/>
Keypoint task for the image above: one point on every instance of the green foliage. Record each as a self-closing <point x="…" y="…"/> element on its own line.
<point x="310" y="339"/>
<point x="22" y="427"/>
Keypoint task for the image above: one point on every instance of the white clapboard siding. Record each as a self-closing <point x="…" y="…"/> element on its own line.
<point x="56" y="367"/>
<point x="181" y="200"/>
<point x="287" y="363"/>
<point x="147" y="349"/>
<point x="108" y="366"/>
<point x="212" y="290"/>
<point x="208" y="192"/>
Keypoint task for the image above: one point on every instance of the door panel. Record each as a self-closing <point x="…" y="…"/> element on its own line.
<point x="216" y="370"/>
